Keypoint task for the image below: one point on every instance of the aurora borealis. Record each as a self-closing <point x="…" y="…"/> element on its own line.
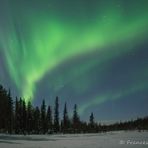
<point x="90" y="52"/>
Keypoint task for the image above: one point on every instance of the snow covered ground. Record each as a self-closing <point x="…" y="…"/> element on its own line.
<point x="121" y="139"/>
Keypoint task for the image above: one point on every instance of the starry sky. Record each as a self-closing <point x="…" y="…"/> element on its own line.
<point x="90" y="52"/>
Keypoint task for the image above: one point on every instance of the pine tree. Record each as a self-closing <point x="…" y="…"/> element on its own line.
<point x="24" y="117"/>
<point x="37" y="120"/>
<point x="91" y="120"/>
<point x="43" y="118"/>
<point x="20" y="112"/>
<point x="29" y="118"/>
<point x="65" y="124"/>
<point x="3" y="109"/>
<point x="76" y="119"/>
<point x="49" y="119"/>
<point x="91" y="123"/>
<point x="56" y="116"/>
<point x="10" y="113"/>
<point x="16" y="121"/>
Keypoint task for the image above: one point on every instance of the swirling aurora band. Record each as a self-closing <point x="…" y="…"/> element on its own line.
<point x="37" y="36"/>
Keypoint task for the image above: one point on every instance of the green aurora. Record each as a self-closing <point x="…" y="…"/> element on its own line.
<point x="37" y="36"/>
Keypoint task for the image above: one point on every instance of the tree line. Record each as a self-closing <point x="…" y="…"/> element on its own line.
<point x="19" y="117"/>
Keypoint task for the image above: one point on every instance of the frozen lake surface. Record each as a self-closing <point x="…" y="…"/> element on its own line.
<point x="133" y="139"/>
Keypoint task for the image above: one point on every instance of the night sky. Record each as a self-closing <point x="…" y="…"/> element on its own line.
<point x="90" y="52"/>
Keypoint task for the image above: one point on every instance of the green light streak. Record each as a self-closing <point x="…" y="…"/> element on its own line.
<point x="36" y="44"/>
<point x="111" y="96"/>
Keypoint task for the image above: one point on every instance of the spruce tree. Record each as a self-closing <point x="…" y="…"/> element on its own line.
<point x="20" y="112"/>
<point x="91" y="119"/>
<point x="76" y="119"/>
<point x="10" y="113"/>
<point x="24" y="117"/>
<point x="29" y="118"/>
<point x="56" y="116"/>
<point x="49" y="119"/>
<point x="91" y="123"/>
<point x="16" y="120"/>
<point x="3" y="109"/>
<point x="37" y="120"/>
<point x="65" y="124"/>
<point x="43" y="117"/>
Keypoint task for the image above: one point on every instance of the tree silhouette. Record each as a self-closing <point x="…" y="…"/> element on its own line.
<point x="65" y="122"/>
<point x="43" y="117"/>
<point x="91" y="123"/>
<point x="29" y="118"/>
<point x="5" y="110"/>
<point x="10" y="113"/>
<point x="91" y="120"/>
<point x="17" y="125"/>
<point x="76" y="119"/>
<point x="20" y="112"/>
<point x="37" y="120"/>
<point x="49" y="119"/>
<point x="56" y="115"/>
<point x="23" y="118"/>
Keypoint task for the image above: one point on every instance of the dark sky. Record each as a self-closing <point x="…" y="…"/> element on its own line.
<point x="90" y="52"/>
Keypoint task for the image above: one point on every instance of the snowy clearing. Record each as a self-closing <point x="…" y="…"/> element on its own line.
<point x="121" y="139"/>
